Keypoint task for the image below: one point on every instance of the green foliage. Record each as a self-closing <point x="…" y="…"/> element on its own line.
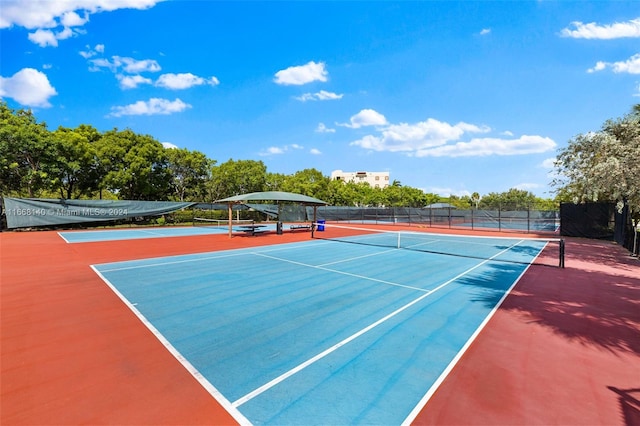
<point x="603" y="165"/>
<point x="74" y="172"/>
<point x="514" y="199"/>
<point x="235" y="178"/>
<point x="309" y="182"/>
<point x="134" y="166"/>
<point x="26" y="152"/>
<point x="190" y="172"/>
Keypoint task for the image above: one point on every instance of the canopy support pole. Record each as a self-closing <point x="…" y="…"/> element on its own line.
<point x="313" y="223"/>
<point x="230" y="219"/>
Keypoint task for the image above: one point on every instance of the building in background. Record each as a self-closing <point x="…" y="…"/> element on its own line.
<point x="374" y="179"/>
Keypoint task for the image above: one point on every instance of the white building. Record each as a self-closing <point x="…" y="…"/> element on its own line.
<point x="374" y="179"/>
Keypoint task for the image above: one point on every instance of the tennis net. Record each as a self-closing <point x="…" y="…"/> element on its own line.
<point x="219" y="223"/>
<point x="538" y="251"/>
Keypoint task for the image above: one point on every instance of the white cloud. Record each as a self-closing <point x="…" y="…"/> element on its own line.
<point x="28" y="87"/>
<point x="447" y="192"/>
<point x="322" y="95"/>
<point x="315" y="151"/>
<point x="273" y="150"/>
<point x="72" y="19"/>
<point x="184" y="81"/>
<point x="630" y="66"/>
<point x="277" y="150"/>
<point x="128" y="65"/>
<point x="44" y="38"/>
<point x="485" y="31"/>
<point x="440" y="139"/>
<point x="599" y="66"/>
<point x="89" y="53"/>
<point x="366" y="117"/>
<point x="134" y="66"/>
<point x="324" y="129"/>
<point x="128" y="71"/>
<point x="47" y="16"/>
<point x="413" y="138"/>
<point x="169" y="145"/>
<point x="549" y="163"/>
<point x="527" y="186"/>
<point x="603" y="32"/>
<point x="132" y="81"/>
<point x="154" y="106"/>
<point x="302" y="74"/>
<point x="482" y="147"/>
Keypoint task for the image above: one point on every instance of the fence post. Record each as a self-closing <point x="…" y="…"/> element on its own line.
<point x="472" y="217"/>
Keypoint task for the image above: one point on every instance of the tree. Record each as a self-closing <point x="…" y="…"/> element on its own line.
<point x="235" y="178"/>
<point x="397" y="195"/>
<point x="475" y="199"/>
<point x="275" y="181"/>
<point x="189" y="172"/>
<point x="603" y="165"/>
<point x="513" y="199"/>
<point x="73" y="172"/>
<point x="341" y="193"/>
<point x="310" y="182"/>
<point x="26" y="151"/>
<point x="135" y="166"/>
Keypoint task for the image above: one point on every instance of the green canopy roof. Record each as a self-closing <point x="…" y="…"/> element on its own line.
<point x="274" y="196"/>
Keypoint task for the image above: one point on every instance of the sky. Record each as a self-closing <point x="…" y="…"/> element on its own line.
<point x="451" y="97"/>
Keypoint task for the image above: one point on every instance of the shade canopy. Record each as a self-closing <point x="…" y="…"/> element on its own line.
<point x="274" y="196"/>
<point x="277" y="196"/>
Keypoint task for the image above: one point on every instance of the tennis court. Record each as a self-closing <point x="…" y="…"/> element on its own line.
<point x="322" y="332"/>
<point x="203" y="228"/>
<point x="561" y="348"/>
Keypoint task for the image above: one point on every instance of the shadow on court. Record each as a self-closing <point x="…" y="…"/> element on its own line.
<point x="554" y="348"/>
<point x="629" y="405"/>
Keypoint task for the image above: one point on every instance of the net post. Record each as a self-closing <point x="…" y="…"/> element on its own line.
<point x="562" y="253"/>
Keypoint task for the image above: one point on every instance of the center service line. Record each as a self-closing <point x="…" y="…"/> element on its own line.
<point x="338" y="345"/>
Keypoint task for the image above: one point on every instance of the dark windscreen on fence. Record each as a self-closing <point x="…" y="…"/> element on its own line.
<point x="588" y="220"/>
<point x="503" y="219"/>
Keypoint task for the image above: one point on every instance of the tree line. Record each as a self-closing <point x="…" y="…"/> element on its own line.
<point x="83" y="162"/>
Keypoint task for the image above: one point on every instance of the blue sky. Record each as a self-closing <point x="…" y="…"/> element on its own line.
<point x="451" y="97"/>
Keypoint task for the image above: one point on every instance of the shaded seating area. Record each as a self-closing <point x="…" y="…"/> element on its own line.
<point x="280" y="199"/>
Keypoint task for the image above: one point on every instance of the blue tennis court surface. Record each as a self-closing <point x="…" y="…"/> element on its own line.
<point x="151" y="232"/>
<point x="317" y="332"/>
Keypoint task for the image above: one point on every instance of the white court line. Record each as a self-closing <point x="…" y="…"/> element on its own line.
<point x="236" y="252"/>
<point x="427" y="396"/>
<point x="354" y="336"/>
<point x="362" y="277"/>
<point x="62" y="236"/>
<point x="213" y="391"/>
<point x="356" y="258"/>
<point x="150" y="265"/>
